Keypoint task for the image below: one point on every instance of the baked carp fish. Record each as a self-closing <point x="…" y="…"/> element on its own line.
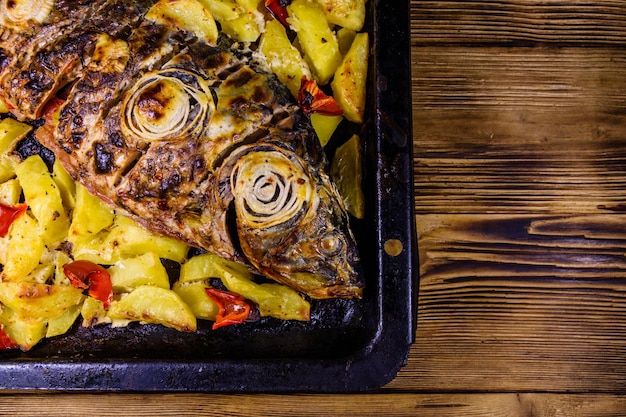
<point x="184" y="131"/>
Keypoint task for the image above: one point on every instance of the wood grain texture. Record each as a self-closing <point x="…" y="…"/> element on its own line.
<point x="519" y="22"/>
<point x="519" y="129"/>
<point x="520" y="159"/>
<point x="520" y="303"/>
<point x="392" y="404"/>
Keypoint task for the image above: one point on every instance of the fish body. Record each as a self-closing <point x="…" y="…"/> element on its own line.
<point x="194" y="139"/>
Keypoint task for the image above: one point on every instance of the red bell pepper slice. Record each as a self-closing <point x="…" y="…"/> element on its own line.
<point x="6" y="343"/>
<point x="8" y="214"/>
<point x="233" y="308"/>
<point x="52" y="106"/>
<point x="278" y="9"/>
<point x="313" y="100"/>
<point x="88" y="275"/>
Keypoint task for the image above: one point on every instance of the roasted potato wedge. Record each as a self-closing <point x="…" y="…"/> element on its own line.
<point x="150" y="304"/>
<point x="61" y="324"/>
<point x="11" y="131"/>
<point x="189" y="15"/>
<point x="146" y="269"/>
<point x="10" y="192"/>
<point x="25" y="332"/>
<point x="193" y="293"/>
<point x="39" y="300"/>
<point x="349" y="83"/>
<point x="222" y="10"/>
<point x="345" y="13"/>
<point x="346" y="170"/>
<point x="89" y="217"/>
<point x="93" y="312"/>
<point x="44" y="199"/>
<point x="344" y="38"/>
<point x="283" y="58"/>
<point x="65" y="184"/>
<point x="317" y="40"/>
<point x="208" y="265"/>
<point x="325" y="126"/>
<point x="24" y="249"/>
<point x="240" y="20"/>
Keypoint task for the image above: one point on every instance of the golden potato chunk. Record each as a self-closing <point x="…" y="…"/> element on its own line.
<point x="349" y="83"/>
<point x="222" y="10"/>
<point x="317" y="40"/>
<point x="147" y="269"/>
<point x="61" y="324"/>
<point x="208" y="265"/>
<point x="150" y="304"/>
<point x="90" y="216"/>
<point x="10" y="192"/>
<point x="39" y="300"/>
<point x="25" y="332"/>
<point x="346" y="170"/>
<point x="93" y="312"/>
<point x="11" y="131"/>
<point x="325" y="126"/>
<point x="346" y="13"/>
<point x="283" y="58"/>
<point x="65" y="184"/>
<point x="193" y="293"/>
<point x="44" y="199"/>
<point x="24" y="248"/>
<point x="188" y="15"/>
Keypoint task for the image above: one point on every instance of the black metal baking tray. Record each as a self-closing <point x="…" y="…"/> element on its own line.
<point x="348" y="346"/>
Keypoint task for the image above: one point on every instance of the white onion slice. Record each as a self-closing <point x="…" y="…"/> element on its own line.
<point x="16" y="13"/>
<point x="161" y="106"/>
<point x="270" y="188"/>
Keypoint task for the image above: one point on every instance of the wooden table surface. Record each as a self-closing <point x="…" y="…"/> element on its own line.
<point x="519" y="111"/>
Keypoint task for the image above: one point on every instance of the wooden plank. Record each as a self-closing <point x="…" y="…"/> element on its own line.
<point x="518" y="22"/>
<point x="519" y="129"/>
<point x="520" y="161"/>
<point x="392" y="404"/>
<point x="527" y="303"/>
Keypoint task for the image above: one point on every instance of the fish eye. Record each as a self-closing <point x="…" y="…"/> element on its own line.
<point x="331" y="244"/>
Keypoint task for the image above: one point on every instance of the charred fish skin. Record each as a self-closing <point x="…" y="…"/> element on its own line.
<point x="57" y="45"/>
<point x="89" y="128"/>
<point x="194" y="140"/>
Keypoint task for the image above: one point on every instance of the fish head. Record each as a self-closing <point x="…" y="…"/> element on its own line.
<point x="291" y="224"/>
